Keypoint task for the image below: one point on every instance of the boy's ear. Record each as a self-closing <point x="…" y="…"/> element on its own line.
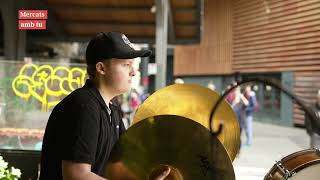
<point x="101" y="69"/>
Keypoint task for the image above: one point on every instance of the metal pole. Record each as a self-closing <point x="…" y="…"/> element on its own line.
<point x="161" y="41"/>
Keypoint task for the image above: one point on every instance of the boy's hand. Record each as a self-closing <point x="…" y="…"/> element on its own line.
<point x="160" y="173"/>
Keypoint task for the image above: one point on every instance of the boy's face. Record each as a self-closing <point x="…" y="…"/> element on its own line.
<point x="119" y="75"/>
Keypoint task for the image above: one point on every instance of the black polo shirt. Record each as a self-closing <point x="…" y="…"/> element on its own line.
<point x="79" y="129"/>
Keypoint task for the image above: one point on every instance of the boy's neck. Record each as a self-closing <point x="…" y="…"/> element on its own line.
<point x="105" y="92"/>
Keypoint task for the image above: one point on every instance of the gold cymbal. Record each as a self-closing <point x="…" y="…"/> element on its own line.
<point x="180" y="143"/>
<point x="194" y="102"/>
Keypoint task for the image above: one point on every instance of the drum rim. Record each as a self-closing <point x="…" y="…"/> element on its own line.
<point x="293" y="155"/>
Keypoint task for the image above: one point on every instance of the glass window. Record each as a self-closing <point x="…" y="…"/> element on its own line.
<point x="28" y="93"/>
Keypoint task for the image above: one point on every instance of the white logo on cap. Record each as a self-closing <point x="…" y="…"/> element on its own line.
<point x="126" y="40"/>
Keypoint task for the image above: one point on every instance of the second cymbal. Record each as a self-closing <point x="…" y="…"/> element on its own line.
<point x="180" y="143"/>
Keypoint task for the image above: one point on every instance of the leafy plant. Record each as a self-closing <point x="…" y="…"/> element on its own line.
<point x="7" y="173"/>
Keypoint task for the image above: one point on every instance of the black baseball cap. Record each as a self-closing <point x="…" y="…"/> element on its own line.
<point x="107" y="45"/>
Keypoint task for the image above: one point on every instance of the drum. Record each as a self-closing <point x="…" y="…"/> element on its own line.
<point x="302" y="165"/>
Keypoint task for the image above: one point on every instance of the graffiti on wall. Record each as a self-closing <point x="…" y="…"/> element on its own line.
<point x="47" y="84"/>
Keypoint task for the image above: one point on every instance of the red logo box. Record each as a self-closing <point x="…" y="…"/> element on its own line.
<point x="33" y="14"/>
<point x="32" y="24"/>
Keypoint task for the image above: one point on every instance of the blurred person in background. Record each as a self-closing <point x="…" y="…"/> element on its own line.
<point x="238" y="105"/>
<point x="249" y="110"/>
<point x="314" y="132"/>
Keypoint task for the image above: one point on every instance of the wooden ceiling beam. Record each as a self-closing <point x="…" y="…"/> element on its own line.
<point x="108" y="23"/>
<point x="133" y="39"/>
<point x="98" y="8"/>
<point x="113" y="23"/>
<point x="199" y="18"/>
<point x="113" y="3"/>
<point x="62" y="7"/>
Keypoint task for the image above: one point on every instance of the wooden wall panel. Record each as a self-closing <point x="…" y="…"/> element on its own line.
<point x="307" y="84"/>
<point x="279" y="35"/>
<point x="276" y="35"/>
<point x="214" y="54"/>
